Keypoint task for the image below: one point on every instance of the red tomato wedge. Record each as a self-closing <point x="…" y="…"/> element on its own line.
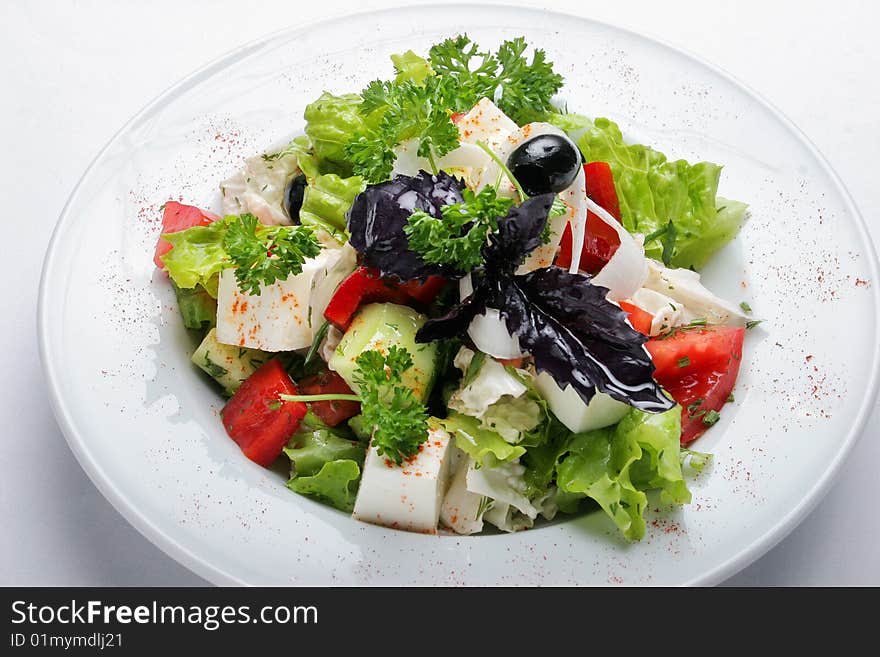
<point x="600" y="239"/>
<point x="257" y="420"/>
<point x="640" y="319"/>
<point x="698" y="367"/>
<point x="178" y="217"/>
<point x="333" y="412"/>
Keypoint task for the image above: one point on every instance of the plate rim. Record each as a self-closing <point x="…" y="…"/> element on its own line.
<point x="217" y="575"/>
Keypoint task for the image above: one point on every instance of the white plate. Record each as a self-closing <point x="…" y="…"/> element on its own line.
<point x="144" y="424"/>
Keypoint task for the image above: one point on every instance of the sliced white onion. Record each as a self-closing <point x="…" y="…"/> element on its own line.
<point x="488" y="331"/>
<point x="579" y="221"/>
<point x="490" y="335"/>
<point x="683" y="286"/>
<point x="627" y="270"/>
<point x="466" y="156"/>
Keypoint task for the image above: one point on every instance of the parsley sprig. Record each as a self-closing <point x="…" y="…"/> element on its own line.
<point x="458" y="236"/>
<point x="399" y="421"/>
<point x="522" y="89"/>
<point x="401" y="111"/>
<point x="458" y="75"/>
<point x="263" y="254"/>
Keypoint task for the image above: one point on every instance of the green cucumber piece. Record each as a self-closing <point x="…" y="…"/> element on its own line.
<point x="227" y="364"/>
<point x="197" y="307"/>
<point x="379" y="326"/>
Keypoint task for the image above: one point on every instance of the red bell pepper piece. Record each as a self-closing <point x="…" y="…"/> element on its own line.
<point x="363" y="285"/>
<point x="333" y="412"/>
<point x="175" y="218"/>
<point x="641" y="320"/>
<point x="424" y="292"/>
<point x="600" y="239"/>
<point x="257" y="419"/>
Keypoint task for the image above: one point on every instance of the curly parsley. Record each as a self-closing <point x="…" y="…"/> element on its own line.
<point x="456" y="76"/>
<point x="401" y="111"/>
<point x="521" y="89"/>
<point x="458" y="236"/>
<point x="263" y="254"/>
<point x="398" y="421"/>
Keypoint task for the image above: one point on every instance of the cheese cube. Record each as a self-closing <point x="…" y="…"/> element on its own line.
<point x="567" y="405"/>
<point x="281" y="317"/>
<point x="406" y="496"/>
<point x="485" y="123"/>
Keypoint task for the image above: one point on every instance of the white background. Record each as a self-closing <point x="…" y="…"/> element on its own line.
<point x="73" y="72"/>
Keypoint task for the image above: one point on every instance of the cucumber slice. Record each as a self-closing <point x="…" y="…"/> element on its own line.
<point x="227" y="364"/>
<point x="197" y="307"/>
<point x="382" y="325"/>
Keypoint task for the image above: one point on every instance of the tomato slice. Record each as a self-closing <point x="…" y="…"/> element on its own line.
<point x="175" y="218"/>
<point x="331" y="413"/>
<point x="257" y="420"/>
<point x="600" y="239"/>
<point x="641" y="320"/>
<point x="698" y="367"/>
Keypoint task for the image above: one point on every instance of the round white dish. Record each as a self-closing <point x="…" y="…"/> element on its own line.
<point x="144" y="424"/>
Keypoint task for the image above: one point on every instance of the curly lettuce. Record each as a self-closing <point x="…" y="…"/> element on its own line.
<point x="326" y="201"/>
<point x="331" y="122"/>
<point x="654" y="191"/>
<point x="617" y="465"/>
<point x="326" y="466"/>
<point x="197" y="256"/>
<point x="477" y="442"/>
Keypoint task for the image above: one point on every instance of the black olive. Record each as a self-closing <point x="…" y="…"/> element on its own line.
<point x="546" y="163"/>
<point x="293" y="197"/>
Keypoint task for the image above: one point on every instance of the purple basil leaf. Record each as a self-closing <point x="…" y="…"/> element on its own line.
<point x="379" y="213"/>
<point x="519" y="233"/>
<point x="590" y="355"/>
<point x="576" y="303"/>
<point x="454" y="323"/>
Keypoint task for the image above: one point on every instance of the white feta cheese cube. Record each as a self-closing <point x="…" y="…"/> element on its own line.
<point x="281" y="317"/>
<point x="486" y="123"/>
<point x="567" y="405"/>
<point x="406" y="496"/>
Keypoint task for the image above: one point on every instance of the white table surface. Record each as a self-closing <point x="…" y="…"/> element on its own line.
<point x="73" y="71"/>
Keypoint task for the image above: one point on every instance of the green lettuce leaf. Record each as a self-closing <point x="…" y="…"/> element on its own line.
<point x="478" y="442"/>
<point x="326" y="466"/>
<point x="326" y="200"/>
<point x="197" y="256"/>
<point x="335" y="483"/>
<point x="309" y="451"/>
<point x="654" y="191"/>
<point x="597" y="466"/>
<point x="541" y="460"/>
<point x="331" y="121"/>
<point x="409" y="66"/>
<point x="616" y="465"/>
<point x="659" y="436"/>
